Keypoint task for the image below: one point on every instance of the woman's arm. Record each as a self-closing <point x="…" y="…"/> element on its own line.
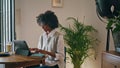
<point x="46" y="52"/>
<point x="60" y="55"/>
<point x="36" y="50"/>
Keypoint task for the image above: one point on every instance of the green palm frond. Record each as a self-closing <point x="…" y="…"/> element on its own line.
<point x="78" y="40"/>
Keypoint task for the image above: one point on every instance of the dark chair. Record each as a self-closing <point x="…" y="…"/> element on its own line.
<point x="65" y="57"/>
<point x="21" y="48"/>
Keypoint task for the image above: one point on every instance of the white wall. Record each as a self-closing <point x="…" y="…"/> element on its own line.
<point x="27" y="28"/>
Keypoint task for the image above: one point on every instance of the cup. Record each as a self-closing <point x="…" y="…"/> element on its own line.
<point x="8" y="47"/>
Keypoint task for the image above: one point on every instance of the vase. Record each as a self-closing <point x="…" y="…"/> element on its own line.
<point x="77" y="65"/>
<point x="116" y="39"/>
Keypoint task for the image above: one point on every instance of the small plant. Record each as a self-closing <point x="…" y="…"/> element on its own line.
<point x="79" y="41"/>
<point x="114" y="23"/>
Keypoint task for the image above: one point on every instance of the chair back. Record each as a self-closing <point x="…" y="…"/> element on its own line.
<point x="65" y="57"/>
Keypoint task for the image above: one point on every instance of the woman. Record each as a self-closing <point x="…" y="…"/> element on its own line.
<point x="50" y="42"/>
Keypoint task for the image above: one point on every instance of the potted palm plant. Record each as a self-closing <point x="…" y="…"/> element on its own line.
<point x="79" y="41"/>
<point x="114" y="25"/>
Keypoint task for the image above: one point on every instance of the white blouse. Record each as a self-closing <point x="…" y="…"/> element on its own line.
<point x="53" y="42"/>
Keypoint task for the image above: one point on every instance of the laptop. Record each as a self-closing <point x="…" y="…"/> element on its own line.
<point x="21" y="48"/>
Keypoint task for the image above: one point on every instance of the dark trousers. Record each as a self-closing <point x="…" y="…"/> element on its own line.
<point x="56" y="66"/>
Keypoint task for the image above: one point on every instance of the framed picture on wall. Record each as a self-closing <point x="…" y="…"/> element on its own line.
<point x="57" y="3"/>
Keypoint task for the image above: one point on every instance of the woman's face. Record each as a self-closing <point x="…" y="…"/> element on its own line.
<point x="46" y="28"/>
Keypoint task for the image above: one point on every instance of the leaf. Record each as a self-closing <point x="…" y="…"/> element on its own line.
<point x="114" y="23"/>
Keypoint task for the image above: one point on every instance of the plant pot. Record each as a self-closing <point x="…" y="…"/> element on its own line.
<point x="77" y="66"/>
<point x="116" y="38"/>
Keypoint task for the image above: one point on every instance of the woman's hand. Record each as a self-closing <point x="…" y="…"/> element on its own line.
<point x="36" y="50"/>
<point x="33" y="50"/>
<point x="46" y="52"/>
<point x="42" y="51"/>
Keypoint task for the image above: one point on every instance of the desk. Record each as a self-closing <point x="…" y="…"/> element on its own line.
<point x="15" y="61"/>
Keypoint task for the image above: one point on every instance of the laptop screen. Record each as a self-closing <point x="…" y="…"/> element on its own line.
<point x="21" y="46"/>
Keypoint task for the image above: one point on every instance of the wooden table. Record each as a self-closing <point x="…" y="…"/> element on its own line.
<point x="16" y="61"/>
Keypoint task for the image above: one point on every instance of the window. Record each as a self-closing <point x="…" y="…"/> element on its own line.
<point x="7" y="31"/>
